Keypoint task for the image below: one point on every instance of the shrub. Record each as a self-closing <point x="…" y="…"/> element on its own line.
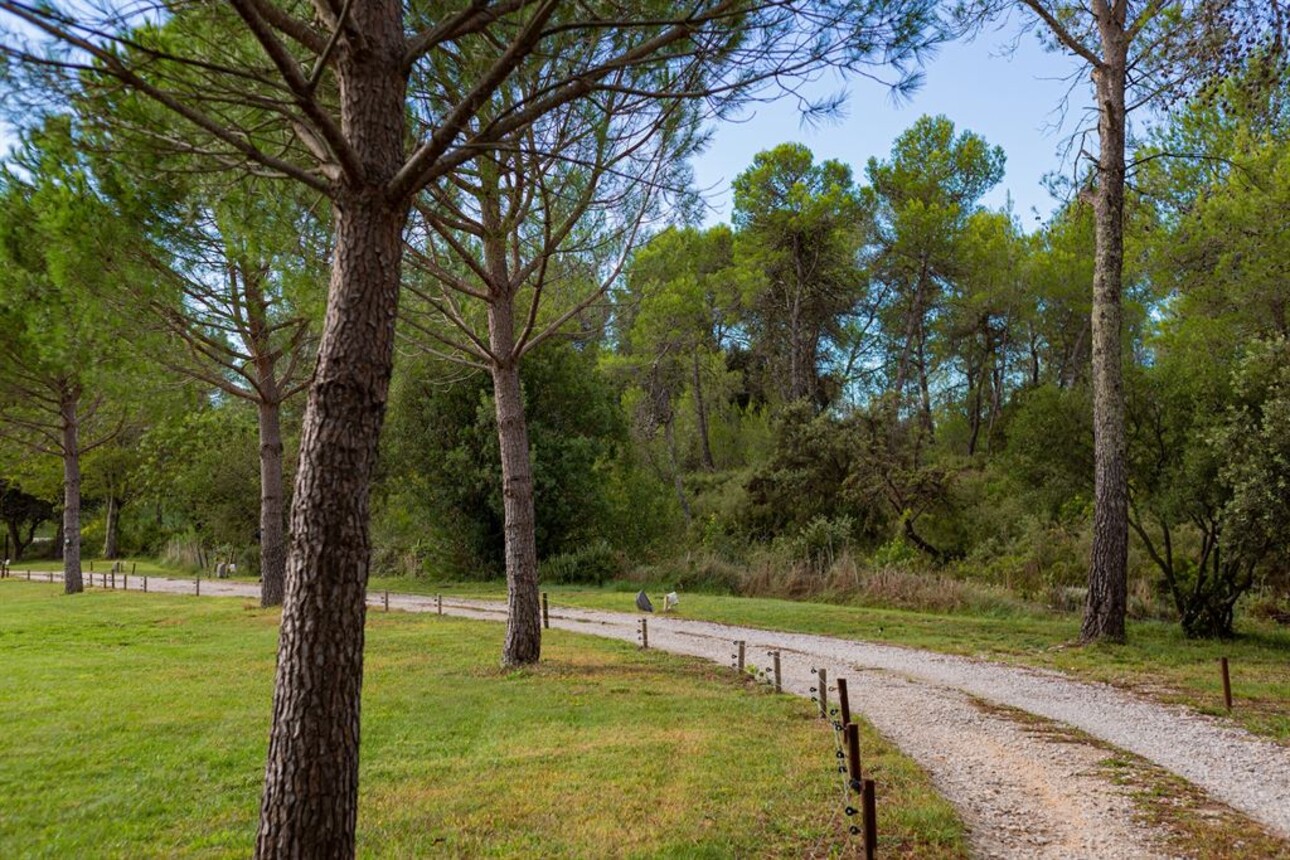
<point x="591" y="564"/>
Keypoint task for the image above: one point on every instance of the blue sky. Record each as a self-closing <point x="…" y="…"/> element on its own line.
<point x="1011" y="98"/>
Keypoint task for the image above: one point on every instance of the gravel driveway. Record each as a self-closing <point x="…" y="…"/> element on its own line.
<point x="1021" y="793"/>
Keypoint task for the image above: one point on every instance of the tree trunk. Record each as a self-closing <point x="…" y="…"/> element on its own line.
<point x="669" y="436"/>
<point x="310" y="802"/>
<point x="111" y="527"/>
<point x="1104" y="610"/>
<point x="1034" y="360"/>
<point x="913" y="333"/>
<point x="273" y="548"/>
<point x="701" y="414"/>
<point x="523" y="611"/>
<point x="71" y="496"/>
<point x="924" y="390"/>
<point x="15" y="539"/>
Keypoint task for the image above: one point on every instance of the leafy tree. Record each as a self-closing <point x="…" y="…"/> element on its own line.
<point x="1175" y="491"/>
<point x="800" y="226"/>
<point x="1255" y="437"/>
<point x="112" y="474"/>
<point x="443" y="457"/>
<point x="522" y="245"/>
<point x="982" y="328"/>
<point x="1204" y="397"/>
<point x="675" y="319"/>
<point x="1057" y="270"/>
<point x="201" y="466"/>
<point x="924" y="196"/>
<point x="60" y="361"/>
<point x="680" y="307"/>
<point x="22" y="514"/>
<point x="1143" y="47"/>
<point x="238" y="272"/>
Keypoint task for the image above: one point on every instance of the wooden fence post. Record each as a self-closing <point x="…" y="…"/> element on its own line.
<point x="546" y="612"/>
<point x="644" y="634"/>
<point x="199" y="585"/>
<point x="779" y="686"/>
<point x="851" y="735"/>
<point x="1227" y="683"/>
<point x="385" y="599"/>
<point x="823" y="676"/>
<point x="844" y="702"/>
<point x="870" y="819"/>
<point x="739" y="664"/>
<point x="145" y="583"/>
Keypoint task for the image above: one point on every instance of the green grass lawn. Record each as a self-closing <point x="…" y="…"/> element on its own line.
<point x="136" y="726"/>
<point x="1157" y="661"/>
<point x="130" y="566"/>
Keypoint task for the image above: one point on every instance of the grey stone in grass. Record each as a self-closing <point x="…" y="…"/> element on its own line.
<point x="643" y="604"/>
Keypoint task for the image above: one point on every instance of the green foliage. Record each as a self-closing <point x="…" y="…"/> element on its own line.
<point x="801" y="225"/>
<point x="441" y="461"/>
<point x="1255" y="437"/>
<point x="1050" y="449"/>
<point x="22" y="513"/>
<point x="201" y="468"/>
<point x="806" y="476"/>
<point x="591" y="564"/>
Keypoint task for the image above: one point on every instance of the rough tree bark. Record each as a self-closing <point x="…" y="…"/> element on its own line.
<point x="273" y="547"/>
<point x="71" y="543"/>
<point x="1104" y="610"/>
<point x="310" y="803"/>
<point x="523" y="613"/>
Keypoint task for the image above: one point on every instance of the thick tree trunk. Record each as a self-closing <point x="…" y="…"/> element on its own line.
<point x="523" y="612"/>
<point x="310" y="802"/>
<point x="111" y="527"/>
<point x="273" y="548"/>
<point x="701" y="415"/>
<point x="1104" y="610"/>
<point x="71" y="496"/>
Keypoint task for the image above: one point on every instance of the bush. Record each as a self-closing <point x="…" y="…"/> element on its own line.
<point x="591" y="564"/>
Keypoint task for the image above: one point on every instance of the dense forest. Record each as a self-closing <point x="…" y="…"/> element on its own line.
<point x="867" y="387"/>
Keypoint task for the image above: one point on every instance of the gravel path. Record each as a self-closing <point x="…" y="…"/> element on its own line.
<point x="1022" y="794"/>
